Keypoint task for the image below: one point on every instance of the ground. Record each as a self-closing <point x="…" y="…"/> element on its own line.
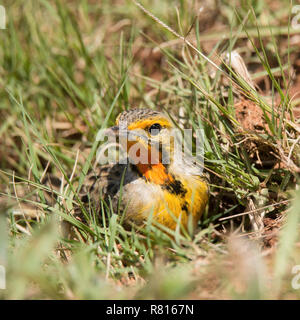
<point x="68" y="68"/>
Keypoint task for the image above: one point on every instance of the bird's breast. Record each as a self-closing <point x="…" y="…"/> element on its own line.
<point x="178" y="200"/>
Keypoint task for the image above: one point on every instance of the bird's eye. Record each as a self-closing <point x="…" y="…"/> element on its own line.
<point x="155" y="129"/>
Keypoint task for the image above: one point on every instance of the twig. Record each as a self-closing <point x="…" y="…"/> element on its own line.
<point x="258" y="209"/>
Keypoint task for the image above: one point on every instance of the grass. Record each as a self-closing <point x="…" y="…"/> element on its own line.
<point x="69" y="68"/>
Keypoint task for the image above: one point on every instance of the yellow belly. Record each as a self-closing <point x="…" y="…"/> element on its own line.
<point x="171" y="209"/>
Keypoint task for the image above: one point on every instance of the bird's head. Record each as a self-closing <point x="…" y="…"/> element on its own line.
<point x="147" y="137"/>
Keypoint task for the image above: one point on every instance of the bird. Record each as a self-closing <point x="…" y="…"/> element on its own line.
<point x="166" y="191"/>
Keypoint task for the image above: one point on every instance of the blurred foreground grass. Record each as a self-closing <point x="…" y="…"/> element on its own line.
<point x="68" y="68"/>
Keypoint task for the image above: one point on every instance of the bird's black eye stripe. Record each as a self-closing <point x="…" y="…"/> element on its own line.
<point x="155" y="129"/>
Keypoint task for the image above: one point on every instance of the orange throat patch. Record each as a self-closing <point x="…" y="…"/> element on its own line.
<point x="155" y="173"/>
<point x="152" y="172"/>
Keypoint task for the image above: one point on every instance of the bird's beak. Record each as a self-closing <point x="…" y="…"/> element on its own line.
<point x="131" y="135"/>
<point x="114" y="132"/>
